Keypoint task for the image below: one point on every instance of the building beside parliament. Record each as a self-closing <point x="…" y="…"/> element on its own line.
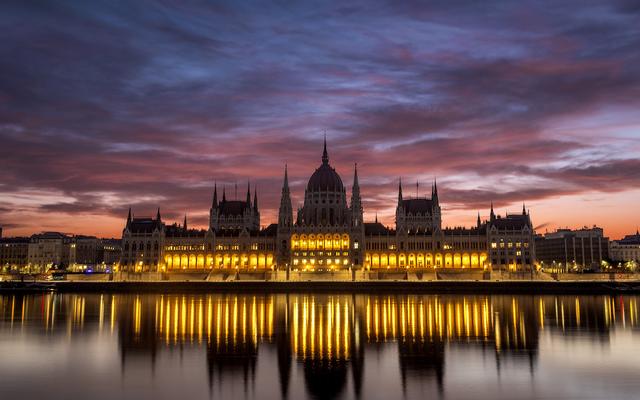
<point x="327" y="233"/>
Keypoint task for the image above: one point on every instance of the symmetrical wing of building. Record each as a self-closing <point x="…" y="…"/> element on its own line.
<point x="327" y="233"/>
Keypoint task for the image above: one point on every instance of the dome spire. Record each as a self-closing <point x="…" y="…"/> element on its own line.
<point x="325" y="155"/>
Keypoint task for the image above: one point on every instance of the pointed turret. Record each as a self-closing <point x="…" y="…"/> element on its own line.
<point x="478" y="221"/>
<point x="255" y="198"/>
<point x="129" y="217"/>
<point x="492" y="216"/>
<point x="214" y="203"/>
<point x="434" y="193"/>
<point x="524" y="211"/>
<point x="399" y="191"/>
<point x="356" y="184"/>
<point x="325" y="155"/>
<point x="376" y="217"/>
<point x="185" y="222"/>
<point x="158" y="215"/>
<point x="285" y="213"/>
<point x="356" y="202"/>
<point x="248" y="201"/>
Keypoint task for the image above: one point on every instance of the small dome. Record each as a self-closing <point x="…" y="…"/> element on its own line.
<point x="325" y="178"/>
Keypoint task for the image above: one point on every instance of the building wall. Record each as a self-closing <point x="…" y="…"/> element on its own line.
<point x="441" y="250"/>
<point x="47" y="250"/>
<point x="624" y="252"/>
<point x="566" y="249"/>
<point x="14" y="253"/>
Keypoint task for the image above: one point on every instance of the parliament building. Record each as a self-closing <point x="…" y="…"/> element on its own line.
<point x="328" y="233"/>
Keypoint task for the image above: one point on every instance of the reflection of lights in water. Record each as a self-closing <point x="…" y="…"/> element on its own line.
<point x="321" y="327"/>
<point x="325" y="330"/>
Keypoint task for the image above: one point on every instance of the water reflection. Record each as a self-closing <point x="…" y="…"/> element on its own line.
<point x="329" y="338"/>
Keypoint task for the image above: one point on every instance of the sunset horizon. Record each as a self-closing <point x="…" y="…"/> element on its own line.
<point x="103" y="108"/>
<point x="320" y="199"/>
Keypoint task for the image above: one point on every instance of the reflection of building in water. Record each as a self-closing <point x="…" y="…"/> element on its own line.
<point x="579" y="314"/>
<point x="422" y="324"/>
<point x="324" y="335"/>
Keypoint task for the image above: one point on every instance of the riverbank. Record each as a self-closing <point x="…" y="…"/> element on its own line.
<point x="390" y="287"/>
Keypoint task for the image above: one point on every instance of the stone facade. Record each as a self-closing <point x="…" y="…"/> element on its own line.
<point x="327" y="233"/>
<point x="626" y="249"/>
<point x="567" y="250"/>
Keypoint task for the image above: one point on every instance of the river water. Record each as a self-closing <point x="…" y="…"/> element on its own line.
<point x="296" y="346"/>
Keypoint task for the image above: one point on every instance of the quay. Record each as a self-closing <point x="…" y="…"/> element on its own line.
<point x="528" y="287"/>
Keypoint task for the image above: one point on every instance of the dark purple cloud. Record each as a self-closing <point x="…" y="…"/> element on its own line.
<point x="106" y="105"/>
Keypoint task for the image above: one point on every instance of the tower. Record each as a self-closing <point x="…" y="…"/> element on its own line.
<point x="436" y="212"/>
<point x="214" y="210"/>
<point x="356" y="202"/>
<point x="285" y="222"/>
<point x="357" y="222"/>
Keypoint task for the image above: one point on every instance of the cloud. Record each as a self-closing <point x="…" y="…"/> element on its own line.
<point x="146" y="105"/>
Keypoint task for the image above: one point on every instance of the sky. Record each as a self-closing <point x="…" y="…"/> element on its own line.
<point x="106" y="105"/>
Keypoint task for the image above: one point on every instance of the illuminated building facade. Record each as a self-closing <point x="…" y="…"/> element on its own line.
<point x="572" y="250"/>
<point x="626" y="249"/>
<point x="328" y="233"/>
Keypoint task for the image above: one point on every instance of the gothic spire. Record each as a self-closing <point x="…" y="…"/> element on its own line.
<point x="215" y="195"/>
<point x="158" y="214"/>
<point x="478" y="221"/>
<point x="356" y="202"/>
<point x="255" y="198"/>
<point x="286" y="179"/>
<point x="285" y="213"/>
<point x="399" y="190"/>
<point x="355" y="176"/>
<point x="492" y="215"/>
<point x="524" y="211"/>
<point x="185" y="222"/>
<point x="224" y="195"/>
<point x="248" y="194"/>
<point x="129" y="216"/>
<point x="325" y="155"/>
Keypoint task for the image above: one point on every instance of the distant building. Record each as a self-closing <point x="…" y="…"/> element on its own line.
<point x="14" y="253"/>
<point x="511" y="241"/>
<point x="40" y="252"/>
<point x="49" y="249"/>
<point x="567" y="249"/>
<point x="111" y="251"/>
<point x="142" y="239"/>
<point x="328" y="233"/>
<point x="626" y="249"/>
<point x="92" y="253"/>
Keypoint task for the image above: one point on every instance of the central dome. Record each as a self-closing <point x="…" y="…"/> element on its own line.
<point x="325" y="178"/>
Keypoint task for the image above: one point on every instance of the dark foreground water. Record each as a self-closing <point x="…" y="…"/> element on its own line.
<point x="66" y="346"/>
